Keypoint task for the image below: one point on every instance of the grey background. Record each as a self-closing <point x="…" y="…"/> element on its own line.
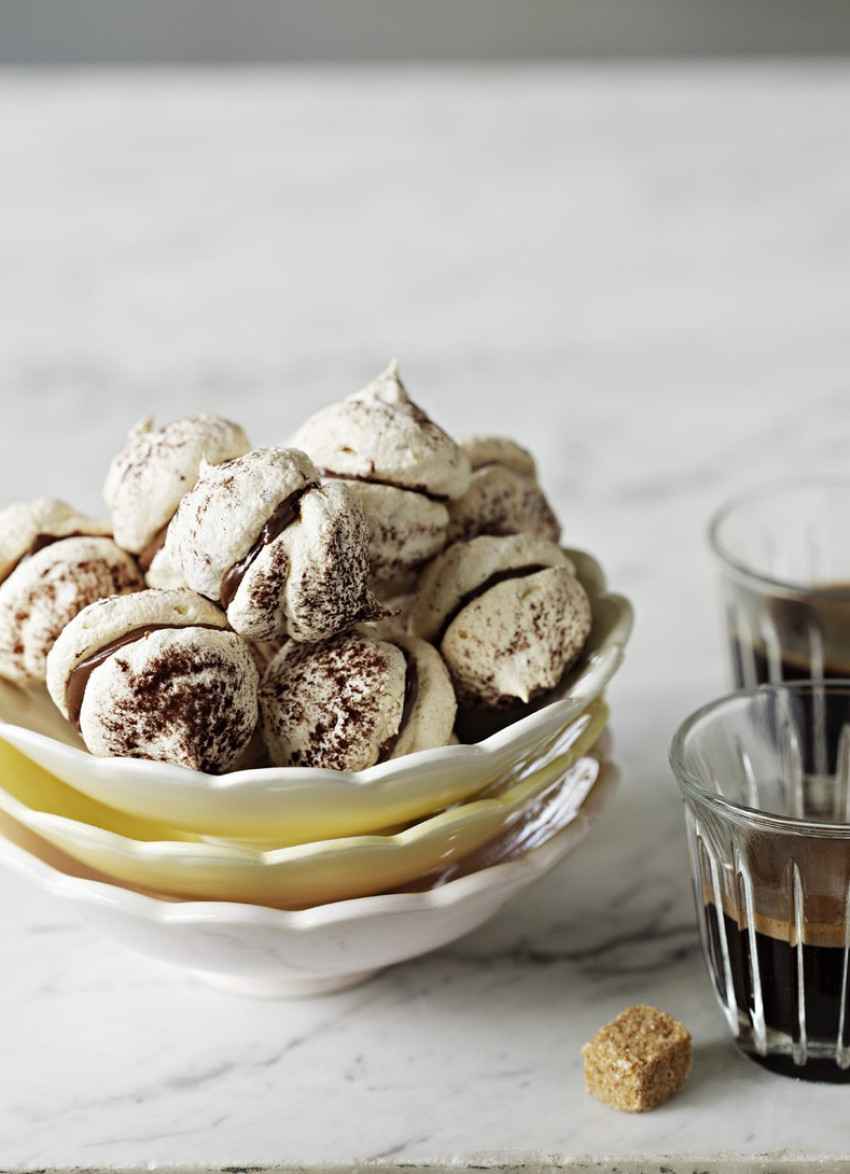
<point x="49" y="32"/>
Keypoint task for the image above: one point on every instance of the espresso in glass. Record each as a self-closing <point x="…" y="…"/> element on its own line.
<point x="785" y="969"/>
<point x="765" y="777"/>
<point x="783" y="556"/>
<point x="793" y="636"/>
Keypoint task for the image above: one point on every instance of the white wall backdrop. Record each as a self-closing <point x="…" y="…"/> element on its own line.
<point x="145" y="31"/>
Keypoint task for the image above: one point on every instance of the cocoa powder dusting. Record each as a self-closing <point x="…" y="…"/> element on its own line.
<point x="322" y="703"/>
<point x="64" y="585"/>
<point x="328" y="593"/>
<point x="179" y="707"/>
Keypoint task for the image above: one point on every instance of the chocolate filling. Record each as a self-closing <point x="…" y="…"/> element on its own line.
<point x="44" y="540"/>
<point x="411" y="694"/>
<point x="482" y="588"/>
<point x="153" y="548"/>
<point x="284" y="515"/>
<point x="330" y="475"/>
<point x="78" y="679"/>
<point x="40" y="542"/>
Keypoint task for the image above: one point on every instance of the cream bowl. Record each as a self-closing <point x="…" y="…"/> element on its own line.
<point x="297" y="876"/>
<point x="294" y="805"/>
<point x="253" y="950"/>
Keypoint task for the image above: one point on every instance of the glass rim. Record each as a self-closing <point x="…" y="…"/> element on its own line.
<point x="761" y="492"/>
<point x="690" y="785"/>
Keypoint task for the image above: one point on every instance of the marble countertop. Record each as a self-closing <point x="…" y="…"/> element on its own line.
<point x="644" y="274"/>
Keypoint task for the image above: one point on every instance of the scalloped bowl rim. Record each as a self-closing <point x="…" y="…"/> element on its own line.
<point x="552" y="715"/>
<point x="587" y="729"/>
<point x="314" y="874"/>
<point x="85" y="890"/>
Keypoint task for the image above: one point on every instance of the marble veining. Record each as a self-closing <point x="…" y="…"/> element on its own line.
<point x="643" y="274"/>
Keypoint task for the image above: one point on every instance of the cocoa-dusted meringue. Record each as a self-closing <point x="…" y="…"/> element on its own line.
<point x="399" y="463"/>
<point x="353" y="701"/>
<point x="53" y="562"/>
<point x="24" y="525"/>
<point x="499" y="450"/>
<point x="152" y="472"/>
<point x="161" y="571"/>
<point x="508" y="615"/>
<point x="156" y="675"/>
<point x="283" y="554"/>
<point x="503" y="495"/>
<point x="394" y="624"/>
<point x="405" y="530"/>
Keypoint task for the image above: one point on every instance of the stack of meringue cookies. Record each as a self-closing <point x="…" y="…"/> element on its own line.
<point x="331" y="604"/>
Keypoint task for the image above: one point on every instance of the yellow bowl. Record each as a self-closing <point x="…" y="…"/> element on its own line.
<point x="152" y="857"/>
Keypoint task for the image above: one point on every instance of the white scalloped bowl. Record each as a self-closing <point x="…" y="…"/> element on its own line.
<point x="294" y="805"/>
<point x="294" y="877"/>
<point x="253" y="950"/>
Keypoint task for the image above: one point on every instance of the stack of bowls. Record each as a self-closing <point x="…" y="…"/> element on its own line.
<point x="295" y="881"/>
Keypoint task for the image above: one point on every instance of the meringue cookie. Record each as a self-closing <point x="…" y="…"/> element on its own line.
<point x="284" y="555"/>
<point x="380" y="435"/>
<point x="157" y="675"/>
<point x="499" y="450"/>
<point x="151" y="473"/>
<point x="353" y="701"/>
<point x="53" y="562"/>
<point x="503" y="496"/>
<point x="161" y="571"/>
<point x="25" y="523"/>
<point x="431" y="718"/>
<point x="401" y="465"/>
<point x="394" y="624"/>
<point x="405" y="530"/>
<point x="326" y="587"/>
<point x="508" y="615"/>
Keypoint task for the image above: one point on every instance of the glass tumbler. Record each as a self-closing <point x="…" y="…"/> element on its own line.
<point x="765" y="778"/>
<point x="783" y="553"/>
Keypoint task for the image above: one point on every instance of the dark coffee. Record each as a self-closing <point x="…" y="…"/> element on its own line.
<point x="793" y="637"/>
<point x="801" y="637"/>
<point x="807" y="984"/>
<point x="752" y="666"/>
<point x="818" y="717"/>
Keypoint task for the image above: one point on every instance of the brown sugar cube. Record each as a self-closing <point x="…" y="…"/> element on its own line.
<point x="638" y="1060"/>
